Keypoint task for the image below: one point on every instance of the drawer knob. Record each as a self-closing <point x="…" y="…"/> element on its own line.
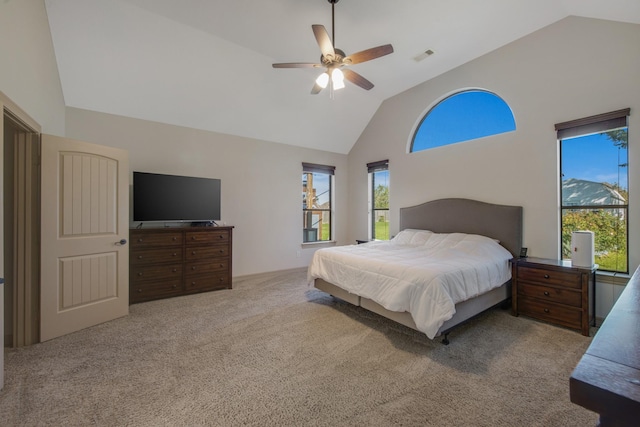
<point x="221" y="279"/>
<point x="139" y="290"/>
<point x="221" y="236"/>
<point x="193" y="283"/>
<point x="546" y="276"/>
<point x="140" y="240"/>
<point x="221" y="265"/>
<point x="139" y="256"/>
<point x="221" y="251"/>
<point x="175" y="286"/>
<point x="546" y="293"/>
<point x="546" y="310"/>
<point x="140" y="274"/>
<point x="175" y="254"/>
<point x="174" y="270"/>
<point x="193" y="268"/>
<point x="193" y="252"/>
<point x="174" y="238"/>
<point x="193" y="237"/>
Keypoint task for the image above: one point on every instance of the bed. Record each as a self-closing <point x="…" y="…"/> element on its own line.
<point x="357" y="274"/>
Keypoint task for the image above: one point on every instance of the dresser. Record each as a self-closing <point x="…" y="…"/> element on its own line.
<point x="554" y="291"/>
<point x="168" y="262"/>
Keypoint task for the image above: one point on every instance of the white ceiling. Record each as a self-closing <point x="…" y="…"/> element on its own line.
<point x="206" y="64"/>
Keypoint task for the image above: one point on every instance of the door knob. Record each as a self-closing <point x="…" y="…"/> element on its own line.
<point x="122" y="242"/>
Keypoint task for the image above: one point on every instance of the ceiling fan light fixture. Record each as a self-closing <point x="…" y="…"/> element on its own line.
<point x="323" y="80"/>
<point x="337" y="78"/>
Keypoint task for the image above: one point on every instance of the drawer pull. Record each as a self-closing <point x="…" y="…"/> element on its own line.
<point x="193" y="237"/>
<point x="174" y="270"/>
<point x="221" y="251"/>
<point x="193" y="268"/>
<point x="140" y="274"/>
<point x="546" y="310"/>
<point x="221" y="279"/>
<point x="175" y="286"/>
<point x="221" y="265"/>
<point x="140" y="240"/>
<point x="174" y="238"/>
<point x="139" y="256"/>
<point x="193" y="252"/>
<point x="546" y="293"/>
<point x="139" y="290"/>
<point x="175" y="254"/>
<point x="546" y="276"/>
<point x="193" y="283"/>
<point x="221" y="236"/>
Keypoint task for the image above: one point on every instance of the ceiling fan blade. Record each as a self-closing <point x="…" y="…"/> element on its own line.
<point x="357" y="79"/>
<point x="369" y="54"/>
<point x="322" y="37"/>
<point x="296" y="65"/>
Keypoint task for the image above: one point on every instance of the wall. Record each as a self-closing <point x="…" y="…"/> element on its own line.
<point x="28" y="69"/>
<point x="574" y="68"/>
<point x="261" y="181"/>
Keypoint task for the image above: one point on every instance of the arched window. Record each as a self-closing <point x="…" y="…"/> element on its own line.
<point x="463" y="116"/>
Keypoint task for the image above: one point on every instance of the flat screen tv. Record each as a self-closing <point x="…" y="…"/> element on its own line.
<point x="172" y="198"/>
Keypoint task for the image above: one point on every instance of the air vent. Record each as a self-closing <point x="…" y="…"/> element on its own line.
<point x="423" y="55"/>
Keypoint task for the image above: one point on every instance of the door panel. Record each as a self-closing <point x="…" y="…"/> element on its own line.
<point x="85" y="215"/>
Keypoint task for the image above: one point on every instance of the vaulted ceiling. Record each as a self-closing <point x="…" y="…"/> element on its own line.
<point x="206" y="64"/>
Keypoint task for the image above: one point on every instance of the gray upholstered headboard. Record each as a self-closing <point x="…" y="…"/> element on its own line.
<point x="500" y="222"/>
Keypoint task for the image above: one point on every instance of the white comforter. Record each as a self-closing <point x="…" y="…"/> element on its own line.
<point x="418" y="271"/>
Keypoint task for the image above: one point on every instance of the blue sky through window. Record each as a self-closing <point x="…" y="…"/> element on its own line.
<point x="462" y="117"/>
<point x="594" y="158"/>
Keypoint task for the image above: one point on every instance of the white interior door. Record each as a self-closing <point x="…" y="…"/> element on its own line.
<point x="84" y="226"/>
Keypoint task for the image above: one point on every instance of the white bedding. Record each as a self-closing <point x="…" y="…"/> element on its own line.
<point x="418" y="271"/>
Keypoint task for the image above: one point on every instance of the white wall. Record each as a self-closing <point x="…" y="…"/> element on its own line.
<point x="28" y="69"/>
<point x="261" y="181"/>
<point x="574" y="68"/>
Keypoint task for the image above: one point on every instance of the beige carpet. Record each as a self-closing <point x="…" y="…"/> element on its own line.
<point x="273" y="352"/>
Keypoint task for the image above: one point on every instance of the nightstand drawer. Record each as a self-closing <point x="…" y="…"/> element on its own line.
<point x="549" y="277"/>
<point x="547" y="293"/>
<point x="555" y="313"/>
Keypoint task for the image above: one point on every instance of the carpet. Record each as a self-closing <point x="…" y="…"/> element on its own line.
<point x="275" y="352"/>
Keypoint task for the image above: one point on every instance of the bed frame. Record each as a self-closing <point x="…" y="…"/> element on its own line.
<point x="500" y="222"/>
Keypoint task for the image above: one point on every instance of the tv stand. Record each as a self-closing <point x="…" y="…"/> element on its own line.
<point x="173" y="261"/>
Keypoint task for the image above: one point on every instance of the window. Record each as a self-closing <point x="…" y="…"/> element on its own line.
<point x="594" y="186"/>
<point x="317" y="185"/>
<point x="378" y="200"/>
<point x="463" y="116"/>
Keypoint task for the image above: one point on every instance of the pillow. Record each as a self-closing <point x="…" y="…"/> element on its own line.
<point x="412" y="237"/>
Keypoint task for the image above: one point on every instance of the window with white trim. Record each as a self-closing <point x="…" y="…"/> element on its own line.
<point x="317" y="186"/>
<point x="463" y="116"/>
<point x="378" y="200"/>
<point x="594" y="186"/>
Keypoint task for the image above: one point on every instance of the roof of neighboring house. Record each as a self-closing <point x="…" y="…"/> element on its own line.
<point x="581" y="192"/>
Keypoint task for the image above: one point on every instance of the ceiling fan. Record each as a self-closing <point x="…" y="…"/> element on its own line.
<point x="336" y="61"/>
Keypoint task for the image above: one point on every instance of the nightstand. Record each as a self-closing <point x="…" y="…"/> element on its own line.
<point x="554" y="291"/>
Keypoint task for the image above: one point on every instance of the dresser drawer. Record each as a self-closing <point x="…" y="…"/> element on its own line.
<point x="555" y="313"/>
<point x="206" y="252"/>
<point x="197" y="283"/>
<point x="146" y="291"/>
<point x="195" y="269"/>
<point x="206" y="237"/>
<point x="149" y="256"/>
<point x="160" y="272"/>
<point x="144" y="240"/>
<point x="547" y="293"/>
<point x="549" y="277"/>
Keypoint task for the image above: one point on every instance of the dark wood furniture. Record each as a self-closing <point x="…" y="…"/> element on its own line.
<point x="554" y="291"/>
<point x="168" y="262"/>
<point x="607" y="378"/>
